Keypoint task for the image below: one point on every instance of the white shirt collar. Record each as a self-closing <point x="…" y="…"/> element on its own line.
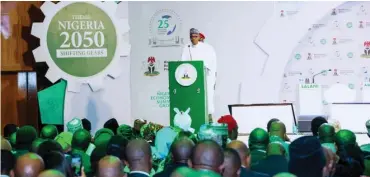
<point x="141" y="172"/>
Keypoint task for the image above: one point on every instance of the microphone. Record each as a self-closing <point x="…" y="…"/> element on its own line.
<point x="323" y="71"/>
<point x="191" y="58"/>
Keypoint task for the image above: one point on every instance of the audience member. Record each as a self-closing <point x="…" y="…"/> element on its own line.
<point x="270" y="122"/>
<point x="181" y="150"/>
<point x="330" y="161"/>
<point x="25" y="136"/>
<point x="7" y="162"/>
<point x="80" y="142"/>
<point x="9" y="129"/>
<point x="102" y="137"/>
<point x="275" y="161"/>
<point x="232" y="126"/>
<point x="112" y="124"/>
<point x="56" y="161"/>
<point x="307" y="157"/>
<point x="5" y="145"/>
<point x="366" y="147"/>
<point x="36" y="144"/>
<point x="137" y="127"/>
<point x="232" y="163"/>
<point x="96" y="155"/>
<point x="278" y="134"/>
<point x="208" y="156"/>
<point x="110" y="166"/>
<point x="28" y="165"/>
<point x="116" y="147"/>
<point x="125" y="131"/>
<point x="51" y="173"/>
<point x="65" y="140"/>
<point x="138" y="157"/>
<point x="49" y="132"/>
<point x="49" y="146"/>
<point x="245" y="157"/>
<point x="326" y="133"/>
<point x="316" y="123"/>
<point x="86" y="124"/>
<point x="258" y="141"/>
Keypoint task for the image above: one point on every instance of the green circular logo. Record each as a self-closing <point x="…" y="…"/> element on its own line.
<point x="81" y="39"/>
<point x="351" y="86"/>
<point x="349" y="25"/>
<point x="297" y="56"/>
<point x="323" y="41"/>
<point x="349" y="54"/>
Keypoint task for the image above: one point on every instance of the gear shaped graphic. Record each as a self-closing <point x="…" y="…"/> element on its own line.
<point x="55" y="73"/>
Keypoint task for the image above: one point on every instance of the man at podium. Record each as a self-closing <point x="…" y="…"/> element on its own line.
<point x="201" y="51"/>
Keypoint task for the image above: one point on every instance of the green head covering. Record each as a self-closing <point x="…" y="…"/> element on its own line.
<point x="125" y="131"/>
<point x="36" y="143"/>
<point x="258" y="139"/>
<point x="49" y="132"/>
<point x="102" y="137"/>
<point x="65" y="140"/>
<point x="326" y="133"/>
<point x="13" y="139"/>
<point x="81" y="139"/>
<point x="74" y="125"/>
<point x="345" y="137"/>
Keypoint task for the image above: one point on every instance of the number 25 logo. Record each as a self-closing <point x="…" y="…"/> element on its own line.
<point x="163" y="23"/>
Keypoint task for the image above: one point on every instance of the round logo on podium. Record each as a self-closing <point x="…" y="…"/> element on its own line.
<point x="186" y="74"/>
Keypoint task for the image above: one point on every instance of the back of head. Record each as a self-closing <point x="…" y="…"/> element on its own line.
<point x="258" y="139"/>
<point x="232" y="126"/>
<point x="207" y="154"/>
<point x="28" y="165"/>
<point x="49" y="132"/>
<point x="110" y="166"/>
<point x="326" y="133"/>
<point x="102" y="137"/>
<point x="270" y="122"/>
<point x="138" y="154"/>
<point x="9" y="129"/>
<point x="126" y="131"/>
<point x="56" y="161"/>
<point x="51" y="173"/>
<point x="81" y="139"/>
<point x="240" y="147"/>
<point x="345" y="137"/>
<point x="181" y="149"/>
<point x="275" y="148"/>
<point x="306" y="157"/>
<point x="116" y="146"/>
<point x="232" y="162"/>
<point x="49" y="146"/>
<point x="97" y="154"/>
<point x="284" y="174"/>
<point x="36" y="144"/>
<point x="7" y="162"/>
<point x="25" y="136"/>
<point x="112" y="124"/>
<point x="86" y="124"/>
<point x="316" y="123"/>
<point x="278" y="128"/>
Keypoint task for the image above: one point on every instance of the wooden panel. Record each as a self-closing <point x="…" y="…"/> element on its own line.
<point x="14" y="48"/>
<point x="19" y="99"/>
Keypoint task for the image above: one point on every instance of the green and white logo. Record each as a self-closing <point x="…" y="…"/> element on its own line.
<point x="297" y="56"/>
<point x="351" y="86"/>
<point x="350" y="55"/>
<point x="81" y="42"/>
<point x="349" y="25"/>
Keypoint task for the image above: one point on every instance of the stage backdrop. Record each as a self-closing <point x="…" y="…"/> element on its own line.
<point x="252" y="41"/>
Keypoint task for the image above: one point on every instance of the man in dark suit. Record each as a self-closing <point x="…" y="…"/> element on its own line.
<point x="180" y="151"/>
<point x="139" y="158"/>
<point x="110" y="166"/>
<point x="275" y="161"/>
<point x="245" y="158"/>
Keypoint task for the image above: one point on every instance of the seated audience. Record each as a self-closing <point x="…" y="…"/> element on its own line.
<point x="112" y="124"/>
<point x="86" y="124"/>
<point x="49" y="132"/>
<point x="65" y="140"/>
<point x="28" y="165"/>
<point x="258" y="141"/>
<point x="138" y="157"/>
<point x="232" y="163"/>
<point x="110" y="166"/>
<point x="49" y="146"/>
<point x="36" y="144"/>
<point x="51" y="173"/>
<point x="9" y="129"/>
<point x="207" y="156"/>
<point x="270" y="122"/>
<point x="80" y="142"/>
<point x="232" y="126"/>
<point x="278" y="134"/>
<point x="316" y="123"/>
<point x="102" y="137"/>
<point x="25" y="136"/>
<point x="57" y="161"/>
<point x="96" y="155"/>
<point x="7" y="162"/>
<point x="275" y="162"/>
<point x="125" y="131"/>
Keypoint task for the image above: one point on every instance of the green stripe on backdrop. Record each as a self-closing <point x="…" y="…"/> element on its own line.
<point x="51" y="103"/>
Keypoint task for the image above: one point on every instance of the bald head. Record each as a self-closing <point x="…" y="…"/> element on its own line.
<point x="326" y="133"/>
<point x="278" y="128"/>
<point x="28" y="165"/>
<point x="345" y="137"/>
<point x="139" y="155"/>
<point x="275" y="148"/>
<point x="181" y="149"/>
<point x="110" y="166"/>
<point x="5" y="145"/>
<point x="207" y="154"/>
<point x="258" y="139"/>
<point x="232" y="163"/>
<point x="81" y="139"/>
<point x="51" y="173"/>
<point x="284" y="174"/>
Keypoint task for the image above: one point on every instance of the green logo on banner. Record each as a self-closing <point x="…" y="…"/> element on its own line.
<point x="349" y="25"/>
<point x="351" y="86"/>
<point x="81" y="39"/>
<point x="349" y="54"/>
<point x="297" y="56"/>
<point x="323" y="41"/>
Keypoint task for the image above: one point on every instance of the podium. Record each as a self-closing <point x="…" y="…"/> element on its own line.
<point x="188" y="92"/>
<point x="310" y="105"/>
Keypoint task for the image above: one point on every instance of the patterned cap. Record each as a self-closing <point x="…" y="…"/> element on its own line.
<point x="74" y="125"/>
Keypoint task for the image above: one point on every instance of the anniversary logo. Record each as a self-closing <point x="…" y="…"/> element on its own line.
<point x="165" y="27"/>
<point x="80" y="42"/>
